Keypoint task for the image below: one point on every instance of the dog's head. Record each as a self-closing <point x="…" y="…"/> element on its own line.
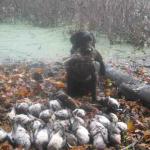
<point x="82" y="40"/>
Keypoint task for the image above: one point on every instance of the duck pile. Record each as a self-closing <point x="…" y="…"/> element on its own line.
<point x="55" y="126"/>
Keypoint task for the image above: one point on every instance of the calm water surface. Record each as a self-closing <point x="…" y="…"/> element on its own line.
<point x="25" y="42"/>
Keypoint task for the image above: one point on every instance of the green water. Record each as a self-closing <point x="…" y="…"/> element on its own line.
<point x="25" y="42"/>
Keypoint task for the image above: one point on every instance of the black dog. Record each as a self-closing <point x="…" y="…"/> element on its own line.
<point x="81" y="42"/>
<point x="81" y="70"/>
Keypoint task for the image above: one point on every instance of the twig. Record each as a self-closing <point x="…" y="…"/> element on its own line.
<point x="131" y="145"/>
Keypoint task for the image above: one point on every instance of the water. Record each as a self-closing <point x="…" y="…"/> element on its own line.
<point x="25" y="42"/>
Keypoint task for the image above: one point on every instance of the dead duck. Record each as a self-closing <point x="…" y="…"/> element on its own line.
<point x="103" y="120"/>
<point x="57" y="140"/>
<point x="45" y="115"/>
<point x="19" y="137"/>
<point x="98" y="142"/>
<point x="63" y="114"/>
<point x="55" y="105"/>
<point x="41" y="137"/>
<point x="111" y="104"/>
<point x="35" y="109"/>
<point x="81" y="133"/>
<point x="114" y="134"/>
<point x="99" y="134"/>
<point x="22" y="108"/>
<point x="23" y="119"/>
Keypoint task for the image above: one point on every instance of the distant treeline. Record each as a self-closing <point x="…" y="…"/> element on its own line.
<point x="121" y="20"/>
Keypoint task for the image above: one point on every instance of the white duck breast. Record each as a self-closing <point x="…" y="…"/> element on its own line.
<point x="41" y="138"/>
<point x="79" y="112"/>
<point x="63" y="114"/>
<point x="35" y="109"/>
<point x="113" y="117"/>
<point x="22" y="108"/>
<point x="113" y="103"/>
<point x="122" y="126"/>
<point x="57" y="141"/>
<point x="98" y="142"/>
<point x="22" y="119"/>
<point x="103" y="120"/>
<point x="21" y="137"/>
<point x="3" y="135"/>
<point x="54" y="105"/>
<point x="82" y="135"/>
<point x="46" y="115"/>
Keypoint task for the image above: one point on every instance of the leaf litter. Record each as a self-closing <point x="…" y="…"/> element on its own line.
<point x="18" y="85"/>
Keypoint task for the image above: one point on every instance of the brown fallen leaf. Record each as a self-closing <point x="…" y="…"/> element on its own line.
<point x="84" y="147"/>
<point x="147" y="135"/>
<point x="139" y="124"/>
<point x="59" y="84"/>
<point x="143" y="146"/>
<point x="6" y="147"/>
<point x="39" y="70"/>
